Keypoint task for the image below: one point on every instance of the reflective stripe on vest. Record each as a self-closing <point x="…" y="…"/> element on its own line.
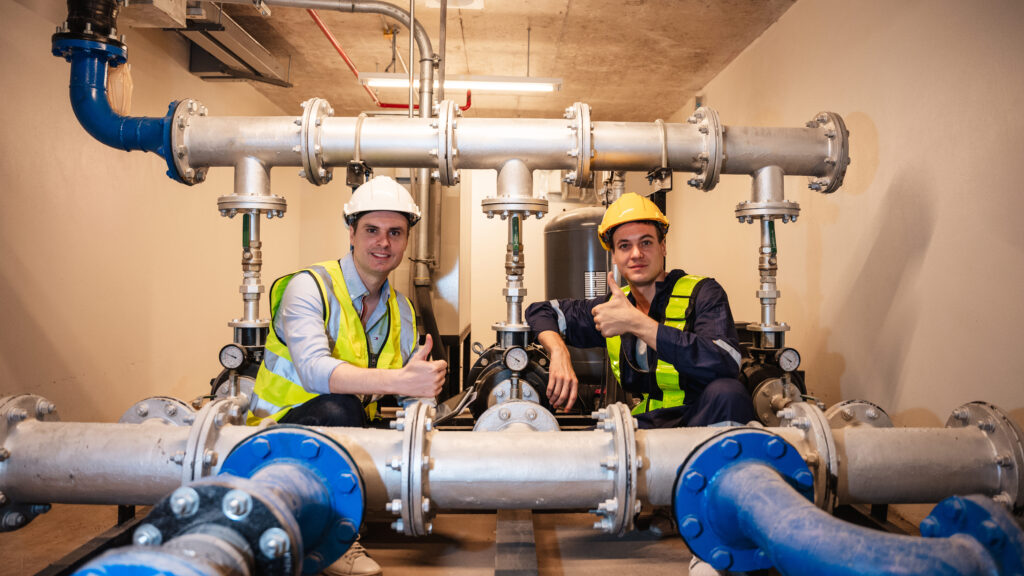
<point x="665" y="374"/>
<point x="277" y="387"/>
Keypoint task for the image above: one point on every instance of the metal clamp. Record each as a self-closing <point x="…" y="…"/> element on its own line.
<point x="199" y="458"/>
<point x="584" y="150"/>
<point x="1007" y="445"/>
<point x="857" y="413"/>
<point x="13" y="411"/>
<point x="706" y="120"/>
<point x="314" y="111"/>
<point x="447" y="113"/>
<point x="414" y="508"/>
<point x="184" y="111"/>
<point x="824" y="460"/>
<point x="617" y="513"/>
<point x="838" y="156"/>
<point x="162" y="409"/>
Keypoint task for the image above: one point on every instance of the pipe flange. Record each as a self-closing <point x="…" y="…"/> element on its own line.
<point x="824" y="458"/>
<point x="13" y="411"/>
<point x="837" y="158"/>
<point x="617" y="513"/>
<point x="773" y="395"/>
<point x="447" y="114"/>
<point x="330" y="463"/>
<point x="184" y="112"/>
<point x="266" y="514"/>
<point x="857" y="413"/>
<point x="786" y="210"/>
<point x="1007" y="447"/>
<point x="415" y="508"/>
<point x="694" y="509"/>
<point x="314" y="111"/>
<point x="579" y="116"/>
<point x="502" y="393"/>
<point x="159" y="409"/>
<point x="504" y="206"/>
<point x="516" y="412"/>
<point x="981" y="519"/>
<point x="712" y="152"/>
<point x="233" y="204"/>
<point x="200" y="459"/>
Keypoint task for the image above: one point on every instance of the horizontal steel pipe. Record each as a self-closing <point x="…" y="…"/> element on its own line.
<point x="487" y="143"/>
<point x="914" y="465"/>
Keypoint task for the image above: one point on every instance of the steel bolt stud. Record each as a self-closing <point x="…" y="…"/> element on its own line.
<point x="691" y="527"/>
<point x="395" y="506"/>
<point x="147" y="535"/>
<point x="142" y="410"/>
<point x="274" y="543"/>
<point x="398" y="525"/>
<point x="872" y="414"/>
<point x="309" y="449"/>
<point x="14" y="520"/>
<point x="209" y="457"/>
<point x="3" y="498"/>
<point x="802" y="423"/>
<point x="775" y="448"/>
<point x="184" y="502"/>
<point x="721" y="559"/>
<point x="504" y="414"/>
<point x="962" y="414"/>
<point x="730" y="449"/>
<point x="16" y="415"/>
<point x="694" y="481"/>
<point x="44" y="408"/>
<point x="236" y="504"/>
<point x="847" y="414"/>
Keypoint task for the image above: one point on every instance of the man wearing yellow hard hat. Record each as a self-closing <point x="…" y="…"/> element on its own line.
<point x="670" y="336"/>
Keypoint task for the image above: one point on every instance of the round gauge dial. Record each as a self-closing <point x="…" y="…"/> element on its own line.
<point x="789" y="359"/>
<point x="232" y="356"/>
<point x="516" y="358"/>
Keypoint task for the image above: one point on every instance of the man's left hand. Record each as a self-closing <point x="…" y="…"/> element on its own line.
<point x="617" y="316"/>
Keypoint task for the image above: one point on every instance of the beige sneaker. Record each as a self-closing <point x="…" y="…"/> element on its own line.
<point x="355" y="562"/>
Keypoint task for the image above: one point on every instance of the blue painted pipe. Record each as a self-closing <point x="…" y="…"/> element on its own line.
<point x="88" y="89"/>
<point x="89" y="101"/>
<point x="751" y="502"/>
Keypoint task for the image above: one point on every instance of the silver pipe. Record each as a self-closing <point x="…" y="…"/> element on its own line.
<point x="487" y="143"/>
<point x="443" y="42"/>
<point x="412" y="100"/>
<point x="767" y="185"/>
<point x="914" y="465"/>
<point x="88" y="463"/>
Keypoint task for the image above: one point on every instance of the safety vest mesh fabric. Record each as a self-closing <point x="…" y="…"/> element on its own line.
<point x="665" y="374"/>
<point x="277" y="382"/>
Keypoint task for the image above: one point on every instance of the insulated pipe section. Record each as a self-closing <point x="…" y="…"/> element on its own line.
<point x="753" y="504"/>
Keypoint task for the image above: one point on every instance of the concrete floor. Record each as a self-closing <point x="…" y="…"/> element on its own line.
<point x="462" y="545"/>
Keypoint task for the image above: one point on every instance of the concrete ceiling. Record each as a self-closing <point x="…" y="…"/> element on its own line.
<point x="631" y="60"/>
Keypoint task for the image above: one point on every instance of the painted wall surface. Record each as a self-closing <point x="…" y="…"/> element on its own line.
<point x="117" y="283"/>
<point x="902" y="288"/>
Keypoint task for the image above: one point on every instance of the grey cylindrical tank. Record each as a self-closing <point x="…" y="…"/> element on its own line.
<point x="575" y="266"/>
<point x="574" y="261"/>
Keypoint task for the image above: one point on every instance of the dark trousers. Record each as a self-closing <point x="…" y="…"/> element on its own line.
<point x="328" y="410"/>
<point x="724" y="400"/>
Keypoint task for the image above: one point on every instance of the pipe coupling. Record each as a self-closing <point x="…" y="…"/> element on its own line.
<point x="13" y="411"/>
<point x="445" y="124"/>
<point x="837" y="157"/>
<point x="181" y="120"/>
<point x="1007" y="448"/>
<point x="311" y="122"/>
<point x="583" y="129"/>
<point x="712" y="150"/>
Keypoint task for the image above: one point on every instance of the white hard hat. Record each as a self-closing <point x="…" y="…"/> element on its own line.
<point x="381" y="193"/>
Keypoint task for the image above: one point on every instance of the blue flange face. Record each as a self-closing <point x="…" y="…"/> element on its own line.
<point x="330" y="462"/>
<point x="694" y="511"/>
<point x="985" y="521"/>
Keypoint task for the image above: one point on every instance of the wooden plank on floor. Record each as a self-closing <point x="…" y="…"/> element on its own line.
<point x="516" y="553"/>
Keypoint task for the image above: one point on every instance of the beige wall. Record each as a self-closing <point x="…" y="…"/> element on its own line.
<point x="902" y="288"/>
<point x="117" y="283"/>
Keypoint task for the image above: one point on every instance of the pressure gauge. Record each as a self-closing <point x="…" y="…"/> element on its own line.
<point x="788" y="359"/>
<point x="232" y="356"/>
<point x="516" y="358"/>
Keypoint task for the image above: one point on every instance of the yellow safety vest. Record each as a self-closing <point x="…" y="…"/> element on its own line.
<point x="277" y="383"/>
<point x="665" y="374"/>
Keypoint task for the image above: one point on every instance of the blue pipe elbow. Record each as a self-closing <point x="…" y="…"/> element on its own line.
<point x="88" y="91"/>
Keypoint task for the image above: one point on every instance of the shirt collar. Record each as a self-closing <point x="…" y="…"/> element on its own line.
<point x="356" y="289"/>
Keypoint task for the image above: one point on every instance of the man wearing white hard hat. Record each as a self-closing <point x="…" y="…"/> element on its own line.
<point x="341" y="331"/>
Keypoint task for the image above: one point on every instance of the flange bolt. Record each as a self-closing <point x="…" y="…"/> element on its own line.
<point x="274" y="543"/>
<point x="147" y="535"/>
<point x="184" y="502"/>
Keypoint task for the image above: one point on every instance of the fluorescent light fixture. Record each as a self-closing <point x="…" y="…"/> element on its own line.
<point x="504" y="84"/>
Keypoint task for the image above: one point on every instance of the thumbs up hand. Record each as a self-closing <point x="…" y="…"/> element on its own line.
<point x="617" y="316"/>
<point x="422" y="377"/>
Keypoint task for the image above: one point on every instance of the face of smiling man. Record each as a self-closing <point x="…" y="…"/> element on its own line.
<point x="638" y="253"/>
<point x="378" y="244"/>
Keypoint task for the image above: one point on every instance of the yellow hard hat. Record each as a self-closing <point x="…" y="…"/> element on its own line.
<point x="630" y="207"/>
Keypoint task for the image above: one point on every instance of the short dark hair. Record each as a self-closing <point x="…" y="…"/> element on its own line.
<point x="658" y="228"/>
<point x="353" y="219"/>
